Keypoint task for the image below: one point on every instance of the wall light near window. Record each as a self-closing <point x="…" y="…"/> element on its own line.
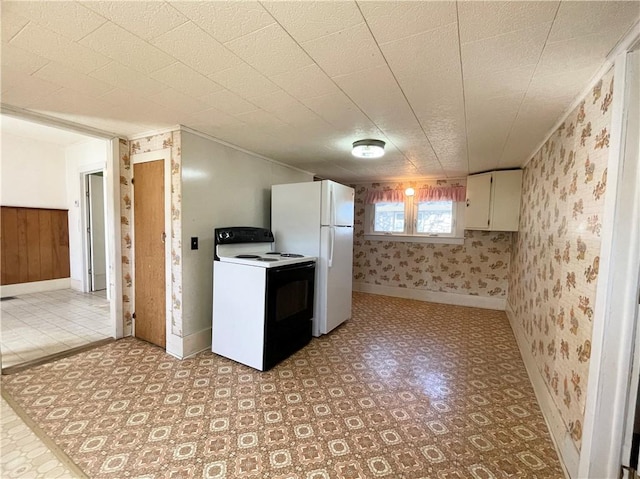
<point x="409" y="192"/>
<point x="368" y="148"/>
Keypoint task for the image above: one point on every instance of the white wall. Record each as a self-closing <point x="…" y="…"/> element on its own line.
<point x="80" y="158"/>
<point x="33" y="173"/>
<point x="221" y="186"/>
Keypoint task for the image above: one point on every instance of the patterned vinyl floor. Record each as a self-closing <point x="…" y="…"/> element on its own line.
<point x="405" y="389"/>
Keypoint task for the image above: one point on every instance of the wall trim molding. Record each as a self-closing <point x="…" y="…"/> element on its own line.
<point x="34" y="287"/>
<point x="173" y="345"/>
<point x="623" y="45"/>
<point x="187" y="346"/>
<point x="406" y="179"/>
<point x="237" y="148"/>
<point x="206" y="136"/>
<point x="567" y="451"/>
<point x="606" y="66"/>
<point x="29" y="115"/>
<point x="76" y="285"/>
<point x="197" y="342"/>
<point x="160" y="131"/>
<point x="483" y="302"/>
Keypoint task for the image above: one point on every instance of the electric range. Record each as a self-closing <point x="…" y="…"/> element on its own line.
<point x="263" y="300"/>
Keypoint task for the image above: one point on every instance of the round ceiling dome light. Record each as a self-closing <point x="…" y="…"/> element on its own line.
<point x="368" y="148"/>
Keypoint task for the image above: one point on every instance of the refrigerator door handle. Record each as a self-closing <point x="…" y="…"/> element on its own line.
<point x="333" y="242"/>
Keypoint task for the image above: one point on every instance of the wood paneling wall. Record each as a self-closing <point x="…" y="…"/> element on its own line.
<point x="35" y="244"/>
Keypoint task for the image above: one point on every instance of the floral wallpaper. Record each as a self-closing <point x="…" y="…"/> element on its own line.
<point x="176" y="234"/>
<point x="125" y="232"/>
<point x="554" y="266"/>
<point x="169" y="140"/>
<point x="478" y="267"/>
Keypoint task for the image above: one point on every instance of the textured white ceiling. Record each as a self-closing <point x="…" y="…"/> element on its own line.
<point x="452" y="87"/>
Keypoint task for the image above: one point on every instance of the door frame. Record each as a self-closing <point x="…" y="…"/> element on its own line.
<point x="614" y="328"/>
<point x="165" y="156"/>
<point x="84" y="223"/>
<point x="112" y="184"/>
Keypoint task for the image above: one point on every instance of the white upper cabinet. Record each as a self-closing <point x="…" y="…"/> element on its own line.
<point x="478" y="202"/>
<point x="493" y="201"/>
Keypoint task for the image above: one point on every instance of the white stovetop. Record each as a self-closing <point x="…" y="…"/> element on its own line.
<point x="228" y="253"/>
<point x="269" y="263"/>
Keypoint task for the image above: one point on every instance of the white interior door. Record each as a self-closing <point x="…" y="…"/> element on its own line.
<point x="97" y="236"/>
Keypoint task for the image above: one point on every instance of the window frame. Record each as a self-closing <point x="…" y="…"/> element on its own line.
<point x="373" y="217"/>
<point x="410" y="225"/>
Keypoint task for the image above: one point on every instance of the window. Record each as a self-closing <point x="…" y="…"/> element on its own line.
<point x="414" y="219"/>
<point x="434" y="217"/>
<point x="388" y="217"/>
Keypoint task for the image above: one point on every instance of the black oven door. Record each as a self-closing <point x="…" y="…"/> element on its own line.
<point x="289" y="310"/>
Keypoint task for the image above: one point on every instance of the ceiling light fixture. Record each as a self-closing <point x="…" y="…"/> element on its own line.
<point x="368" y="148"/>
<point x="409" y="192"/>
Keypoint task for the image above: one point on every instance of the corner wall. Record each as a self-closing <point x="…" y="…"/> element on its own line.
<point x="434" y="272"/>
<point x="555" y="263"/>
<point x="212" y="185"/>
<point x="221" y="186"/>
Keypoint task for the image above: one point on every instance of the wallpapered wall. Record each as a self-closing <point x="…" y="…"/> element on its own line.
<point x="554" y="266"/>
<point x="478" y="267"/>
<point x="170" y="140"/>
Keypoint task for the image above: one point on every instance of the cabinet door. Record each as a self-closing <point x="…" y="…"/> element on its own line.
<point x="478" y="202"/>
<point x="505" y="214"/>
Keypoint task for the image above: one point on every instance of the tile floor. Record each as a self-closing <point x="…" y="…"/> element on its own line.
<point x="405" y="389"/>
<point x="24" y="455"/>
<point x="39" y="324"/>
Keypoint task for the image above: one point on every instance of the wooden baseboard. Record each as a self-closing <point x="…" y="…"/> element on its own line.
<point x="484" y="302"/>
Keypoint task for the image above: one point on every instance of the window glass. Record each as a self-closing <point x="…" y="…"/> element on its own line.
<point x="389" y="218"/>
<point x="435" y="217"/>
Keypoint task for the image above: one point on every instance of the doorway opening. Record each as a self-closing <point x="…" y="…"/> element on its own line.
<point x="96" y="238"/>
<point x="47" y="170"/>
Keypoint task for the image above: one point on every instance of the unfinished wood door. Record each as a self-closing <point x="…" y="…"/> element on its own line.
<point x="149" y="238"/>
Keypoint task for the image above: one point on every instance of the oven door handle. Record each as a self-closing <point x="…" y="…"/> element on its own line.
<point x="333" y="241"/>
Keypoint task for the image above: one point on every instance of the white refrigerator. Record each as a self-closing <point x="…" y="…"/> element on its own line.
<point x="316" y="219"/>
